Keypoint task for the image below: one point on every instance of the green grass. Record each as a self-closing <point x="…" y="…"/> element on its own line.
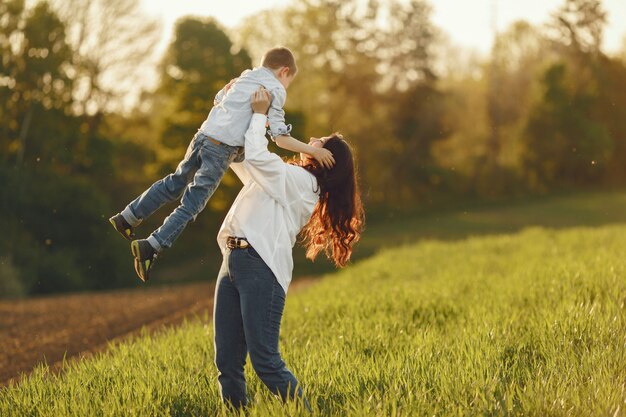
<point x="467" y="219"/>
<point x="529" y="322"/>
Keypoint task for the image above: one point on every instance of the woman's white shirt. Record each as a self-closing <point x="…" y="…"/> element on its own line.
<point x="275" y="203"/>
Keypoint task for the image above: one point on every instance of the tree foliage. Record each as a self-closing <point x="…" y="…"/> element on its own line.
<point x="579" y="25"/>
<point x="112" y="41"/>
<point x="565" y="142"/>
<point x="34" y="76"/>
<point x="572" y="136"/>
<point x="51" y="209"/>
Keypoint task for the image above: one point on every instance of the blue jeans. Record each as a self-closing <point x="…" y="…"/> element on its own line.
<point x="248" y="308"/>
<point x="196" y="178"/>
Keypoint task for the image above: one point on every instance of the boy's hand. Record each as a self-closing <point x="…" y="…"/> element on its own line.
<point x="261" y="100"/>
<point x="225" y="90"/>
<point x="324" y="157"/>
<point x="230" y="84"/>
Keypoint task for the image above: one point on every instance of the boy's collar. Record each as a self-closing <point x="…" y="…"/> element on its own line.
<point x="268" y="70"/>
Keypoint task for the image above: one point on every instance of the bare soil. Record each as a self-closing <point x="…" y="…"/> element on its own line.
<point x="52" y="328"/>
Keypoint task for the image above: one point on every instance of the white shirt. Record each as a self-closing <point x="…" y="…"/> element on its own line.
<point x="230" y="116"/>
<point x="276" y="201"/>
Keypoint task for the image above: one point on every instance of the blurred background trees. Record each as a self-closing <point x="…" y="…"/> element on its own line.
<point x="430" y="123"/>
<point x="57" y="167"/>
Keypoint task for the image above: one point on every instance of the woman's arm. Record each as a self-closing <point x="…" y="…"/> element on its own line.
<point x="241" y="172"/>
<point x="265" y="168"/>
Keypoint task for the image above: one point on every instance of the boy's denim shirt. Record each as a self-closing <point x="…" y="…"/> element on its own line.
<point x="230" y="117"/>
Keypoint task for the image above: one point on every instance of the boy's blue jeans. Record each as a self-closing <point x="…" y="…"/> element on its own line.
<point x="196" y="178"/>
<point x="248" y="308"/>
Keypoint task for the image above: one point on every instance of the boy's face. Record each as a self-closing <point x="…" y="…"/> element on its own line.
<point x="285" y="76"/>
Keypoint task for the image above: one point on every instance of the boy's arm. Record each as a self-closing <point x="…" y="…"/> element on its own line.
<point x="322" y="155"/>
<point x="280" y="132"/>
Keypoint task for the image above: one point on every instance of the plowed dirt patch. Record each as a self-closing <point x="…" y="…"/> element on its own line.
<point x="49" y="328"/>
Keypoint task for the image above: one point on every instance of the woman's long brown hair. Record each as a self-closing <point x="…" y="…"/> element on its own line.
<point x="338" y="218"/>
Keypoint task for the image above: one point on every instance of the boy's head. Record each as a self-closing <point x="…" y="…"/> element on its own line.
<point x="281" y="61"/>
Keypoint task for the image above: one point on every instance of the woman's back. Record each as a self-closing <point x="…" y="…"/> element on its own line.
<point x="275" y="203"/>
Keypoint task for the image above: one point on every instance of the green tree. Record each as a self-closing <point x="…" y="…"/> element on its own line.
<point x="565" y="141"/>
<point x="511" y="76"/>
<point x="36" y="61"/>
<point x="50" y="207"/>
<point x="610" y="74"/>
<point x="113" y="43"/>
<point x="418" y="122"/>
<point x="39" y="124"/>
<point x="518" y="56"/>
<point x="57" y="236"/>
<point x="569" y="138"/>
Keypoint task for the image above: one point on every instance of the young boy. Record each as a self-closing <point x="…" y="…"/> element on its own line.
<point x="218" y="142"/>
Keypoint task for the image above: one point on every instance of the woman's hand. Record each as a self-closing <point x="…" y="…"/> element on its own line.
<point x="261" y="100"/>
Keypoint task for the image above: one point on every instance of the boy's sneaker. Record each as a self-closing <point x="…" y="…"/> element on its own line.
<point x="145" y="255"/>
<point x="123" y="228"/>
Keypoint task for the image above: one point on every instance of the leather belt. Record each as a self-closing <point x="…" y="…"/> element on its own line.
<point x="217" y="142"/>
<point x="233" y="242"/>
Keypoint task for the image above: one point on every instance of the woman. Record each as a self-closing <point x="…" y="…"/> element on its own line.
<point x="278" y="201"/>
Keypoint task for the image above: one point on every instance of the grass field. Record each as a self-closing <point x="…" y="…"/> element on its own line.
<point x="515" y="322"/>
<point x="467" y="219"/>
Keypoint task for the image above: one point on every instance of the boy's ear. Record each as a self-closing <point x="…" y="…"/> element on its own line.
<point x="284" y="71"/>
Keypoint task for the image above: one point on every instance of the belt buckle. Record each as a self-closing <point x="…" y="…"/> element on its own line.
<point x="236" y="243"/>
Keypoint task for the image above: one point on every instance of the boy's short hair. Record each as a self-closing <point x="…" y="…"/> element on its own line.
<point x="279" y="57"/>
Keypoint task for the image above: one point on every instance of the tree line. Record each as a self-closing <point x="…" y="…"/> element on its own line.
<point x="429" y="123"/>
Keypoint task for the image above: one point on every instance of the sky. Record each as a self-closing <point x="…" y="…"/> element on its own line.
<point x="468" y="23"/>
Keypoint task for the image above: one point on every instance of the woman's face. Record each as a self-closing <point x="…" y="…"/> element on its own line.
<point x="316" y="143"/>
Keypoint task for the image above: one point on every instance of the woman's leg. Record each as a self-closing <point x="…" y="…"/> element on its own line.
<point x="262" y="304"/>
<point x="230" y="343"/>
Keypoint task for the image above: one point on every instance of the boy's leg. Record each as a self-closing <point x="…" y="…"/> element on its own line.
<point x="167" y="189"/>
<point x="214" y="161"/>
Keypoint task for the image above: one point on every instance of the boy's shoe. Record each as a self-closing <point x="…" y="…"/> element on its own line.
<point x="145" y="255"/>
<point x="123" y="228"/>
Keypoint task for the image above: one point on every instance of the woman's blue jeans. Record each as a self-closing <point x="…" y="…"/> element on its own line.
<point x="248" y="308"/>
